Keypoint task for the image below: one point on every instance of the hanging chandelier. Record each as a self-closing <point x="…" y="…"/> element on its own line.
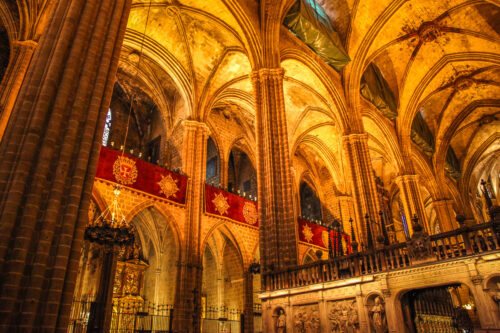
<point x="111" y="227"/>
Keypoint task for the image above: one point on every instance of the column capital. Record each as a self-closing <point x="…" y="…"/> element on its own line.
<point x="264" y="73"/>
<point x="194" y="125"/>
<point x="406" y="178"/>
<point x="25" y="43"/>
<point x="355" y="137"/>
<point x="442" y="202"/>
<point x="344" y="197"/>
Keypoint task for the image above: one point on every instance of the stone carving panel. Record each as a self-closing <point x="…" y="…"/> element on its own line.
<point x="343" y="316"/>
<point x="306" y="319"/>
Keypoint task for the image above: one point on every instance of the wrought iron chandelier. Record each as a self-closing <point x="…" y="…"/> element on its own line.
<point x="111" y="227"/>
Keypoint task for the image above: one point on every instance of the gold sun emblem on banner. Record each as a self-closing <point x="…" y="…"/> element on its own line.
<point x="307" y="232"/>
<point x="168" y="186"/>
<point x="125" y="170"/>
<point x="250" y="213"/>
<point x="220" y="203"/>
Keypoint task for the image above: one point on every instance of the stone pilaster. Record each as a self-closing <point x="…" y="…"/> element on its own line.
<point x="278" y="243"/>
<point x="411" y="198"/>
<point x="364" y="190"/>
<point x="445" y="215"/>
<point x="49" y="154"/>
<point x="187" y="312"/>
<point x="21" y="54"/>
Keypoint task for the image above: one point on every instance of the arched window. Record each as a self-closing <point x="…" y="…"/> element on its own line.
<point x="107" y="128"/>
<point x="212" y="172"/>
<point x="310" y="205"/>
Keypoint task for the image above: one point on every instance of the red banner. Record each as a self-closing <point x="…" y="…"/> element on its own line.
<point x="229" y="205"/>
<point x="140" y="175"/>
<point x="315" y="234"/>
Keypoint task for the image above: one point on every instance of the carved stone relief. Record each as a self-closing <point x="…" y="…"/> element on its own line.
<point x="306" y="319"/>
<point x="343" y="316"/>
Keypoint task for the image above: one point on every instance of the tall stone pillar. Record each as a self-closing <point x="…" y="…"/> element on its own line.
<point x="445" y="214"/>
<point x="364" y="190"/>
<point x="187" y="311"/>
<point x="21" y="54"/>
<point x="278" y="243"/>
<point x="248" y="301"/>
<point x="411" y="198"/>
<point x="49" y="155"/>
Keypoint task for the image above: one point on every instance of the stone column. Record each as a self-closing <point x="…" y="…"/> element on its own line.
<point x="364" y="190"/>
<point x="21" y="54"/>
<point x="278" y="245"/>
<point x="49" y="155"/>
<point x="220" y="286"/>
<point x="224" y="167"/>
<point x="445" y="215"/>
<point x="187" y="312"/>
<point x="485" y="313"/>
<point x="248" y="302"/>
<point x="412" y="200"/>
<point x="101" y="309"/>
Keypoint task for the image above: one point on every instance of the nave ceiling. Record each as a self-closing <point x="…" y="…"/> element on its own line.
<point x="439" y="58"/>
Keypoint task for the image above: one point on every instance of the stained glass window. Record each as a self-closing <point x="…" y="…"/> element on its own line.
<point x="107" y="128"/>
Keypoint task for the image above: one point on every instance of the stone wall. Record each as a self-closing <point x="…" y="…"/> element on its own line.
<point x="348" y="302"/>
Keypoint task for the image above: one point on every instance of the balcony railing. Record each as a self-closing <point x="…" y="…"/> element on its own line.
<point x="421" y="248"/>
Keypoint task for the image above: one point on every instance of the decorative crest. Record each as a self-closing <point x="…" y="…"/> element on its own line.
<point x="250" y="213"/>
<point x="168" y="186"/>
<point x="125" y="170"/>
<point x="220" y="202"/>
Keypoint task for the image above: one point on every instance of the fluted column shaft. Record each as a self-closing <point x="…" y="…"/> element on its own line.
<point x="364" y="190"/>
<point x="21" y="54"/>
<point x="49" y="155"/>
<point x="188" y="297"/>
<point x="413" y="204"/>
<point x="278" y="244"/>
<point x="445" y="214"/>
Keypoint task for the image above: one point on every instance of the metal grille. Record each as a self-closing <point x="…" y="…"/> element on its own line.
<point x="221" y="320"/>
<point x="127" y="317"/>
<point x="257" y="318"/>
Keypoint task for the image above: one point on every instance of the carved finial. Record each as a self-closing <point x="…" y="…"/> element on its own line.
<point x="461" y="220"/>
<point x="416" y="226"/>
<point x="354" y="243"/>
<point x="368" y="232"/>
<point x="486" y="194"/>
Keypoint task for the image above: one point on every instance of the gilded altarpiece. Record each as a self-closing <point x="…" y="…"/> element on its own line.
<point x="127" y="288"/>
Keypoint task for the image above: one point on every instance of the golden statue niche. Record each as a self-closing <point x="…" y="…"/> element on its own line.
<point x="127" y="288"/>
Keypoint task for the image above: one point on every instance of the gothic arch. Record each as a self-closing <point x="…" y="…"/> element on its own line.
<point x="164" y="213"/>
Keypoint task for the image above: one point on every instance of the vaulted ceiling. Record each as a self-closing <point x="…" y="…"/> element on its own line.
<point x="440" y="58"/>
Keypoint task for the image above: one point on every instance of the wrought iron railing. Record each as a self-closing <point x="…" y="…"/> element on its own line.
<point x="221" y="320"/>
<point x="128" y="316"/>
<point x="462" y="242"/>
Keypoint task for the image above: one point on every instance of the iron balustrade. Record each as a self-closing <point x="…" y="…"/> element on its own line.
<point x="128" y="316"/>
<point x="462" y="242"/>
